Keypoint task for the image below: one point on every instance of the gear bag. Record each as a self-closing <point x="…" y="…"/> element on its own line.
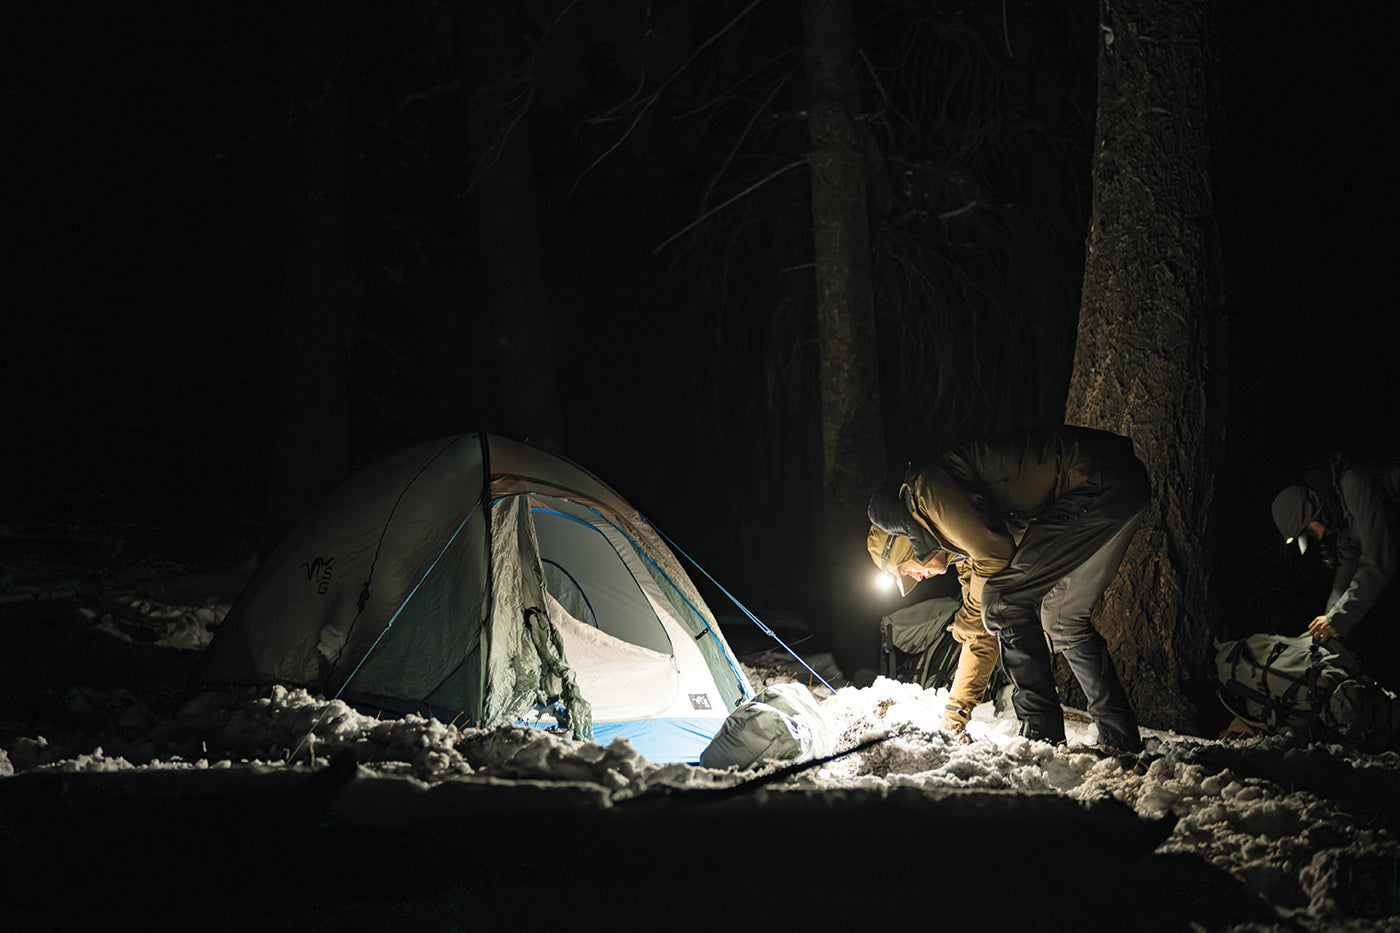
<point x="1281" y="682"/>
<point x="784" y="722"/>
<point x="917" y="646"/>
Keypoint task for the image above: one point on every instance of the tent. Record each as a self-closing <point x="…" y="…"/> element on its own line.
<point x="488" y="581"/>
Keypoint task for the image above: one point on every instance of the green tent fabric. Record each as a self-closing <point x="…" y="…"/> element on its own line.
<point x="487" y="580"/>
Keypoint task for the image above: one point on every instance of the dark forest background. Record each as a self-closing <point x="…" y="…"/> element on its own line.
<point x="649" y="148"/>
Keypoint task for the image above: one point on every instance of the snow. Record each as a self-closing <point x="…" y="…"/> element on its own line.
<point x="1276" y="815"/>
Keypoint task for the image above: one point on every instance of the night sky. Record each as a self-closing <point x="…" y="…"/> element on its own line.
<point x="145" y="182"/>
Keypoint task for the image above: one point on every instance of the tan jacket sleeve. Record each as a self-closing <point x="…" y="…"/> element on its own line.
<point x="954" y="516"/>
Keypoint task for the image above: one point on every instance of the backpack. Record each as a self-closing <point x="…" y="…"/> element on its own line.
<point x="917" y="646"/>
<point x="1275" y="682"/>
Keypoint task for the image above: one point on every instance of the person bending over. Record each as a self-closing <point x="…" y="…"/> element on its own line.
<point x="1036" y="524"/>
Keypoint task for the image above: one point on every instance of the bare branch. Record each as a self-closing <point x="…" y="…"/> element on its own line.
<point x="491" y="154"/>
<point x="719" y="207"/>
<point x="655" y="95"/>
<point x="969" y="206"/>
<point x="748" y="127"/>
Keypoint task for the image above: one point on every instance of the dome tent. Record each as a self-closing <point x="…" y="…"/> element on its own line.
<point x="488" y="581"/>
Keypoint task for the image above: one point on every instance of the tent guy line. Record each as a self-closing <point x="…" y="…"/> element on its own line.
<point x="486" y="503"/>
<point x="742" y="608"/>
<point x="485" y="581"/>
<point x="397" y="612"/>
<point x="364" y="597"/>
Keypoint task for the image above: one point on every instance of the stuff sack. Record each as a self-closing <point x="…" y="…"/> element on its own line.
<point x="1281" y="682"/>
<point x="783" y="722"/>
<point x="916" y="644"/>
<point x="1364" y="712"/>
<point x="917" y="647"/>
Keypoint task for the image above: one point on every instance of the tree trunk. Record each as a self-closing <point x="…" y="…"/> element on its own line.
<point x="852" y="435"/>
<point x="1146" y="341"/>
<point x="313" y="322"/>
<point x="503" y="186"/>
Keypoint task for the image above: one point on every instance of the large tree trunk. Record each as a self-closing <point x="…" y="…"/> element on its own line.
<point x="313" y="322"/>
<point x="503" y="185"/>
<point x="852" y="435"/>
<point x="1143" y="360"/>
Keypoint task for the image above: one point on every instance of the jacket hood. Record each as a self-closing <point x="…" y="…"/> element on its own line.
<point x="887" y="509"/>
<point x="891" y="509"/>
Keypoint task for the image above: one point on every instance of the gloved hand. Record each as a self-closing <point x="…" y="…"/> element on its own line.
<point x="955" y="720"/>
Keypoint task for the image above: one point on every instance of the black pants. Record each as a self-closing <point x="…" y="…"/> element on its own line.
<point x="1043" y="599"/>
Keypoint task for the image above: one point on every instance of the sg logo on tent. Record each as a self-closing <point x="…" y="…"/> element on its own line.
<point x="319" y="571"/>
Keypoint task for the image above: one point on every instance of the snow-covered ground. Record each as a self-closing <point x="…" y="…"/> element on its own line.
<point x="1292" y="846"/>
<point x="1308" y="830"/>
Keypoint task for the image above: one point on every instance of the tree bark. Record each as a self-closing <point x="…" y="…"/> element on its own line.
<point x="1146" y="340"/>
<point x="852" y="434"/>
<point x="310" y="454"/>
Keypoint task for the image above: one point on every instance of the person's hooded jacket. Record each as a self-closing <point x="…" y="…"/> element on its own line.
<point x="1358" y="502"/>
<point x="976" y="501"/>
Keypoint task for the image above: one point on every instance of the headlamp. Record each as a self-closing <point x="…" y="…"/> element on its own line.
<point x="889" y="575"/>
<point x="1301" y="538"/>
<point x="889" y="578"/>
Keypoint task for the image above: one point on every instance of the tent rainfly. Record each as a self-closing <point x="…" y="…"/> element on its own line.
<point x="488" y="581"/>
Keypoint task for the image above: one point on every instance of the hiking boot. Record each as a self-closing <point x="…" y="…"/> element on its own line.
<point x="1132" y="762"/>
<point x="1043" y="729"/>
<point x="1108" y="701"/>
<point x="1116" y="742"/>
